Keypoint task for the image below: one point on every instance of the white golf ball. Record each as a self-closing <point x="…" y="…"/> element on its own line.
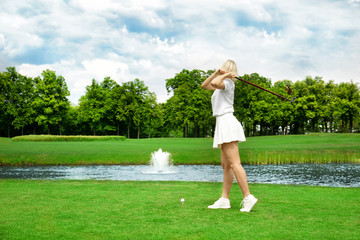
<point x="182" y="200"/>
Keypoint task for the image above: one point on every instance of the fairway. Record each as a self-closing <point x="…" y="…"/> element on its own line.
<point x="311" y="148"/>
<point x="152" y="210"/>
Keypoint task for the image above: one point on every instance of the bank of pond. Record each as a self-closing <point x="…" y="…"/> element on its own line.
<point x="284" y="149"/>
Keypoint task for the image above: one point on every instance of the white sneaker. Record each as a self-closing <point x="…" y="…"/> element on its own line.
<point x="221" y="203"/>
<point x="248" y="203"/>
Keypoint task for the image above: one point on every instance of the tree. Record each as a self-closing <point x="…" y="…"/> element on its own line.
<point x="301" y="92"/>
<point x="23" y="94"/>
<point x="132" y="103"/>
<point x="130" y="108"/>
<point x="71" y="123"/>
<point x="92" y="105"/>
<point x="51" y="101"/>
<point x="5" y="102"/>
<point x="142" y="99"/>
<point x="347" y="104"/>
<point x="285" y="113"/>
<point x="249" y="102"/>
<point x="199" y="111"/>
<point x="118" y="103"/>
<point x="152" y="113"/>
<point x="190" y="105"/>
<point x="108" y="121"/>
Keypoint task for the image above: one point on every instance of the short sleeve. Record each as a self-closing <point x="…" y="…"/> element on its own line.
<point x="229" y="84"/>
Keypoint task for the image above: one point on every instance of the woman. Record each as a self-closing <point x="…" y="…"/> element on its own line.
<point x="228" y="132"/>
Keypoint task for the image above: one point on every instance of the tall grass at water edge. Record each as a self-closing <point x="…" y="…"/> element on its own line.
<point x="311" y="148"/>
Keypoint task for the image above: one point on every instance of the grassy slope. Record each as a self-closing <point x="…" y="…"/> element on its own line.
<point x="256" y="150"/>
<point x="152" y="210"/>
<point x="302" y="148"/>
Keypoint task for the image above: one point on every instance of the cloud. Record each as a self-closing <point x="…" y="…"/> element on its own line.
<point x="153" y="40"/>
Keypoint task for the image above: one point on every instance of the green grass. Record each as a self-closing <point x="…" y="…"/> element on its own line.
<point x="312" y="148"/>
<point x="45" y="209"/>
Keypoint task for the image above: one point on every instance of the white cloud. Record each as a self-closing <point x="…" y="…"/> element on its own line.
<point x="103" y="67"/>
<point x="354" y="3"/>
<point x="14" y="41"/>
<point x="154" y="40"/>
<point x="2" y="40"/>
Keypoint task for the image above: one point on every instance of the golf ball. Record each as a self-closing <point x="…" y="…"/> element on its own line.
<point x="182" y="200"/>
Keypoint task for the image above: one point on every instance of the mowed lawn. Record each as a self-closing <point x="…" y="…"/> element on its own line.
<point x="45" y="209"/>
<point x="311" y="148"/>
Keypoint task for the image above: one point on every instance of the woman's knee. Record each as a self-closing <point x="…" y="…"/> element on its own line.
<point x="226" y="166"/>
<point x="225" y="163"/>
<point x="231" y="164"/>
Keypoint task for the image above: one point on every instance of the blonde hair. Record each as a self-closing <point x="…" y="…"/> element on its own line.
<point x="230" y="66"/>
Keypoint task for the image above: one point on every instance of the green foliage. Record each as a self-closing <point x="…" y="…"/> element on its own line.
<point x="51" y="101"/>
<point x="40" y="105"/>
<point x="108" y="105"/>
<point x="91" y="105"/>
<point x="56" y="138"/>
<point x="319" y="106"/>
<point x="190" y="105"/>
<point x="17" y="94"/>
<point x="21" y="98"/>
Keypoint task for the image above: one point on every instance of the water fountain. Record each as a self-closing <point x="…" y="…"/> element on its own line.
<point x="161" y="163"/>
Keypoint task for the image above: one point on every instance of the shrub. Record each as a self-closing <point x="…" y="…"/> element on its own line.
<point x="56" y="138"/>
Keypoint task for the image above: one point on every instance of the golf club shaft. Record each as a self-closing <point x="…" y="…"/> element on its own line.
<point x="265" y="89"/>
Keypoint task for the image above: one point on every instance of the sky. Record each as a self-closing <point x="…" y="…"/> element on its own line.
<point x="153" y="40"/>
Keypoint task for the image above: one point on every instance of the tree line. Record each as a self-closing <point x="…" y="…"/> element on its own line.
<point x="40" y="105"/>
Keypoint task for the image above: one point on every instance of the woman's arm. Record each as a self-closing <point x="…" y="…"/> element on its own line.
<point x="218" y="82"/>
<point x="215" y="80"/>
<point x="207" y="84"/>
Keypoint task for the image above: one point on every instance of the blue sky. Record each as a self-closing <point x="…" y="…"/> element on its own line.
<point x="155" y="39"/>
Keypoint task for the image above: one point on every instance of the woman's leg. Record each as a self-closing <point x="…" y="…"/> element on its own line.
<point x="231" y="154"/>
<point x="228" y="175"/>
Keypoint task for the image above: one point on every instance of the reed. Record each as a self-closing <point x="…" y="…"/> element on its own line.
<point x="311" y="148"/>
<point x="286" y="157"/>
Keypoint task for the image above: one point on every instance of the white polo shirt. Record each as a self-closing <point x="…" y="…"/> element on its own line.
<point x="222" y="100"/>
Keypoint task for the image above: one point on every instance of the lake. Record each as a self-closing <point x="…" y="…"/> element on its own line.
<point x="334" y="175"/>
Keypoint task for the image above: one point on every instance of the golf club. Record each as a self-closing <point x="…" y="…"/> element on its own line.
<point x="291" y="101"/>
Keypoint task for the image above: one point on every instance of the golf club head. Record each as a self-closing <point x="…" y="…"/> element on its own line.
<point x="293" y="100"/>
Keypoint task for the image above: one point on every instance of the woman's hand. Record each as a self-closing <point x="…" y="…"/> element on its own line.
<point x="229" y="75"/>
<point x="225" y="74"/>
<point x="215" y="81"/>
<point x="220" y="72"/>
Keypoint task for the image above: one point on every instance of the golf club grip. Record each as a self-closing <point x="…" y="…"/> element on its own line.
<point x="262" y="88"/>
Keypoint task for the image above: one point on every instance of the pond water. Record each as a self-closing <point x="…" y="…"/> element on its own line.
<point x="334" y="175"/>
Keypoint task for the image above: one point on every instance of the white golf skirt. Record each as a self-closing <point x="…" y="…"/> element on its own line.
<point x="228" y="129"/>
